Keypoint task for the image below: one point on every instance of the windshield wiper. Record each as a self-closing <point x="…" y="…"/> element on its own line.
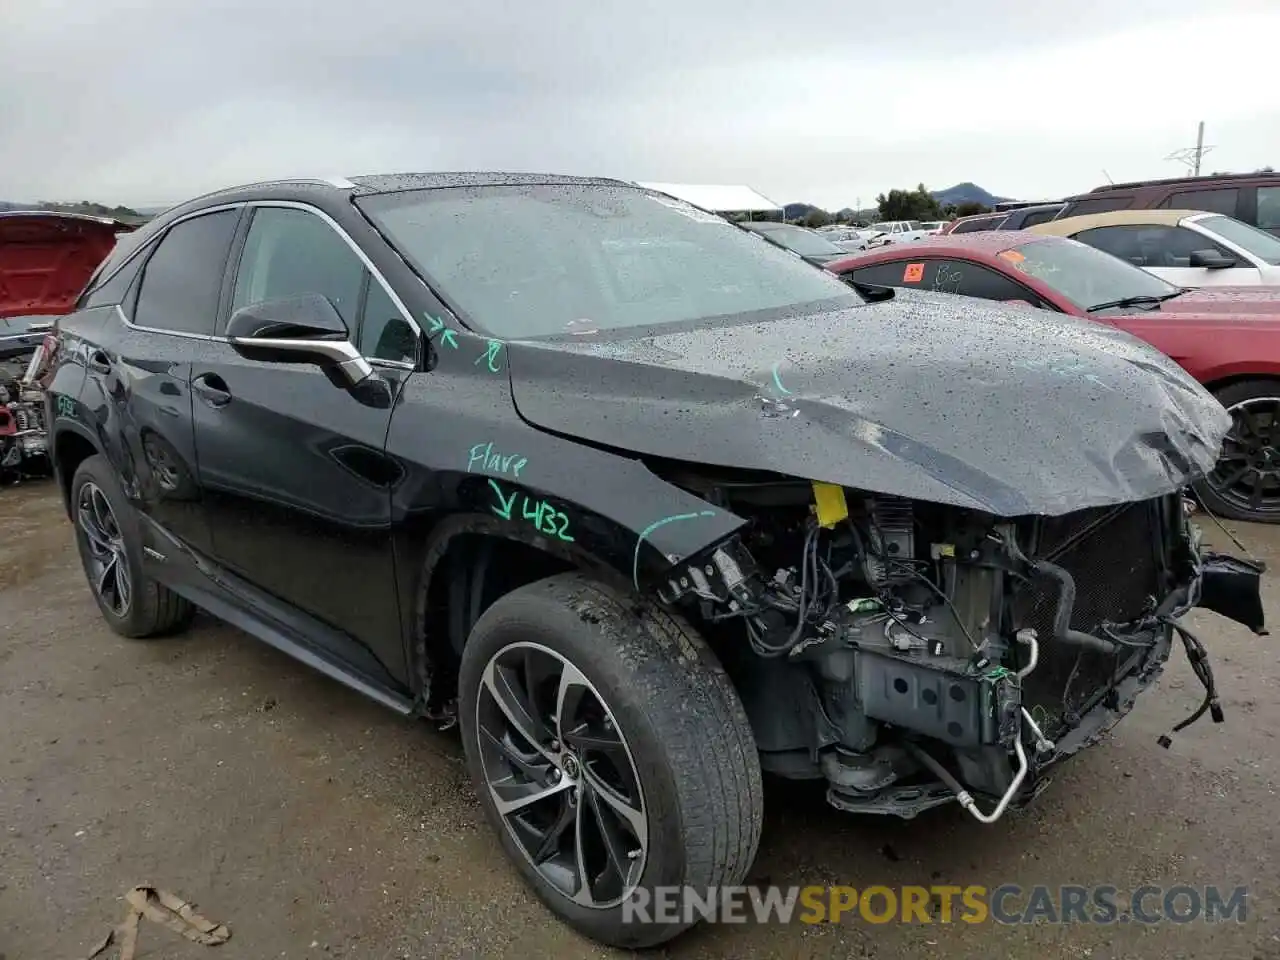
<point x="1135" y="301"/>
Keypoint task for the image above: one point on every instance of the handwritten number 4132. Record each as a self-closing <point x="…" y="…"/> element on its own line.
<point x="545" y="517"/>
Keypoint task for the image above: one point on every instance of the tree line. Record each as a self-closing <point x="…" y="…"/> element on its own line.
<point x="917" y="204"/>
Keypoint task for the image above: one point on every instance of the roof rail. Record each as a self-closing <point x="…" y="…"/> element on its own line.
<point x="1161" y="181"/>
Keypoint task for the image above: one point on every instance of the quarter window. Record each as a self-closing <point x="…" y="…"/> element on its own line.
<point x="384" y="334"/>
<point x="182" y="280"/>
<point x="1151" y="245"/>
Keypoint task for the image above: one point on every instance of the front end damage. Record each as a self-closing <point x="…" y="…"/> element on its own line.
<point x="912" y="653"/>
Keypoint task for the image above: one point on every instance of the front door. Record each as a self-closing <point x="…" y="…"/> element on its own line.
<point x="293" y="467"/>
<point x="1166" y="252"/>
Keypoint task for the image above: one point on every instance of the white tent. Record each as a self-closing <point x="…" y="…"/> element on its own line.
<point x="719" y="198"/>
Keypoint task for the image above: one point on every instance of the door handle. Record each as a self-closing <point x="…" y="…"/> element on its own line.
<point x="99" y="362"/>
<point x="211" y="388"/>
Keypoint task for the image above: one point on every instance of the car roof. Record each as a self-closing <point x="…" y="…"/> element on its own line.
<point x="1200" y="181"/>
<point x="323" y="191"/>
<point x="1114" y="218"/>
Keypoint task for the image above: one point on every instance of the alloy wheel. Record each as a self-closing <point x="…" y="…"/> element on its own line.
<point x="108" y="565"/>
<point x="1247" y="474"/>
<point x="561" y="775"/>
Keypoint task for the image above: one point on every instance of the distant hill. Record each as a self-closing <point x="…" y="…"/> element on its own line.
<point x="966" y="193"/>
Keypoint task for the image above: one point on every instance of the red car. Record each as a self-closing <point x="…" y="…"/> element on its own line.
<point x="1228" y="338"/>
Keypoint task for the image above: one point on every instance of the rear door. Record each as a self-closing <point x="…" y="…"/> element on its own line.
<point x="139" y="370"/>
<point x="293" y="466"/>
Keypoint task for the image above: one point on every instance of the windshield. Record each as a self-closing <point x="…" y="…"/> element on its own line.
<point x="807" y="243"/>
<point x="532" y="260"/>
<point x="1083" y="274"/>
<point x="1250" y="239"/>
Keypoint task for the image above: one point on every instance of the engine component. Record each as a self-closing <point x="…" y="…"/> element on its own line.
<point x="891" y="540"/>
<point x="23" y="436"/>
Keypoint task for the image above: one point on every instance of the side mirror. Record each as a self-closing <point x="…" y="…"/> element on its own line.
<point x="1211" y="260"/>
<point x="303" y="329"/>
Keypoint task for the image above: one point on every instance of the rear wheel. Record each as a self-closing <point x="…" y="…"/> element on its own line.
<point x="109" y="541"/>
<point x="610" y="752"/>
<point x="1245" y="482"/>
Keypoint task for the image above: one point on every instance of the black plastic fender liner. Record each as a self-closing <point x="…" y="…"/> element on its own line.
<point x="1233" y="588"/>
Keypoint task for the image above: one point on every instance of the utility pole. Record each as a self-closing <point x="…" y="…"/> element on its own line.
<point x="1190" y="157"/>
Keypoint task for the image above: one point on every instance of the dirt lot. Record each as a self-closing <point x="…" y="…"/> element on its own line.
<point x="315" y="824"/>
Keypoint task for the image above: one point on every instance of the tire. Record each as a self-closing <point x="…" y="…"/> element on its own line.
<point x="1244" y="448"/>
<point x="679" y="723"/>
<point x="149" y="609"/>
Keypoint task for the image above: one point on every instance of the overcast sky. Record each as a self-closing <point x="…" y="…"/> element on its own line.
<point x="826" y="101"/>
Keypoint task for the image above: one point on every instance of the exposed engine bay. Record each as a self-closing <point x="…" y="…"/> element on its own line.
<point x="913" y="654"/>
<point x="24" y="439"/>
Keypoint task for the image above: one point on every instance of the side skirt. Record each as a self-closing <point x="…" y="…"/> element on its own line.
<point x="291" y="631"/>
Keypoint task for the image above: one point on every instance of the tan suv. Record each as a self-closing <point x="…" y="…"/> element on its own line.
<point x="1251" y="197"/>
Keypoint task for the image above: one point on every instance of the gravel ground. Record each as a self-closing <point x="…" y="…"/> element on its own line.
<point x="316" y="824"/>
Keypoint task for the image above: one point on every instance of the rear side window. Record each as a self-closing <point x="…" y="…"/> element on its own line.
<point x="1214" y="201"/>
<point x="1039" y="216"/>
<point x="183" y="278"/>
<point x="973" y="226"/>
<point x="1078" y="208"/>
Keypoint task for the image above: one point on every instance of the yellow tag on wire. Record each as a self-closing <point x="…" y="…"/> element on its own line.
<point x="831" y="506"/>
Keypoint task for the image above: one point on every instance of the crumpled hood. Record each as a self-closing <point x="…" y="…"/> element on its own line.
<point x="945" y="399"/>
<point x="1227" y="303"/>
<point x="46" y="258"/>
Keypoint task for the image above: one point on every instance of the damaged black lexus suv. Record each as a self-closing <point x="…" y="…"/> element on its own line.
<point x="645" y="503"/>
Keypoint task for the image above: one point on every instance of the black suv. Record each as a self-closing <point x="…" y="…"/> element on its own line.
<point x="644" y="502"/>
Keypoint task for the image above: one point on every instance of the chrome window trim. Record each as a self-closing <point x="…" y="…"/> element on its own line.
<point x="292" y="205"/>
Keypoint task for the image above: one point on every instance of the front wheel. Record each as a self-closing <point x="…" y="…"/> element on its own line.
<point x="1245" y="482"/>
<point x="611" y="754"/>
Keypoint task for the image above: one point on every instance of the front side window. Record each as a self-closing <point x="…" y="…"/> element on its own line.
<point x="1211" y="201"/>
<point x="290" y="252"/>
<point x="1086" y="275"/>
<point x="182" y="279"/>
<point x="962" y="277"/>
<point x="535" y="260"/>
<point x="1151" y="245"/>
<point x="1262" y="245"/>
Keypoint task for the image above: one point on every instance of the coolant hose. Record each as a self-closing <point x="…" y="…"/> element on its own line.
<point x="1066" y="604"/>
